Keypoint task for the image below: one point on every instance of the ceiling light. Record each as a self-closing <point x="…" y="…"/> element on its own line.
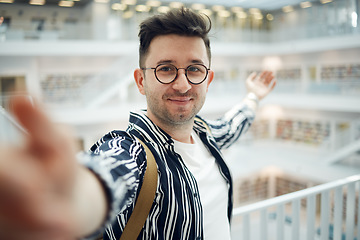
<point x="241" y="15"/>
<point x="65" y="3"/>
<point x="128" y="14"/>
<point x="128" y="2"/>
<point x="269" y="17"/>
<point x="153" y="3"/>
<point x="6" y="1"/>
<point x="258" y="16"/>
<point x="325" y="1"/>
<point x="254" y="11"/>
<point x="287" y="9"/>
<point x="217" y="8"/>
<point x="237" y="9"/>
<point x="197" y="6"/>
<point x="142" y="8"/>
<point x="176" y="4"/>
<point x="118" y="7"/>
<point x="354" y="18"/>
<point x="207" y="12"/>
<point x="37" y="2"/>
<point x="101" y="1"/>
<point x="224" y="13"/>
<point x="163" y="9"/>
<point x="305" y="4"/>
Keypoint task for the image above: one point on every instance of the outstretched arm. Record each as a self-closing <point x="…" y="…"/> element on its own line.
<point x="258" y="86"/>
<point x="44" y="193"/>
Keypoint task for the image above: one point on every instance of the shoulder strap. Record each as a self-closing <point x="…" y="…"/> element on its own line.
<point x="144" y="200"/>
<point x="205" y="125"/>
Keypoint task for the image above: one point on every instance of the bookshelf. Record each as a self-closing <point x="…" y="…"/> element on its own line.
<point x="303" y="131"/>
<point x="63" y="88"/>
<point x="267" y="184"/>
<point x="341" y="72"/>
<point x="292" y="74"/>
<point x="260" y="129"/>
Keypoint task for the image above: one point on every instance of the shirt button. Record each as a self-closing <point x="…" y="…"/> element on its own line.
<point x="195" y="194"/>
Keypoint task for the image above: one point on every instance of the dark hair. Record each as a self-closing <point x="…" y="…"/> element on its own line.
<point x="183" y="21"/>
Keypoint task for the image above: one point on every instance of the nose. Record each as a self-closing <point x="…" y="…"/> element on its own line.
<point x="181" y="83"/>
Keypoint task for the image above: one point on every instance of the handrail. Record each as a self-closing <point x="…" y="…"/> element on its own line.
<point x="327" y="211"/>
<point x="286" y="198"/>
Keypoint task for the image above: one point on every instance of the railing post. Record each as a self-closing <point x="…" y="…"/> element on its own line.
<point x="311" y="214"/>
<point x="246" y="227"/>
<point x="263" y="224"/>
<point x="295" y="217"/>
<point x="338" y="212"/>
<point x="350" y="211"/>
<point x="280" y="221"/>
<point x="325" y="216"/>
<point x="358" y="211"/>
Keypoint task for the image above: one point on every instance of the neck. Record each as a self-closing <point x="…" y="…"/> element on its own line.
<point x="180" y="132"/>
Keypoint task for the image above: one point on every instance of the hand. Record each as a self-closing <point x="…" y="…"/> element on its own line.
<point x="36" y="180"/>
<point x="260" y="84"/>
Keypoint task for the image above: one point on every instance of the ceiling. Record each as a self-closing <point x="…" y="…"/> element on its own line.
<point x="265" y="5"/>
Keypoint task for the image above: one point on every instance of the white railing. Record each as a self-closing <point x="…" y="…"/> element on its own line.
<point x="327" y="211"/>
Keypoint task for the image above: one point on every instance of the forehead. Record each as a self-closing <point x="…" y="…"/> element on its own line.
<point x="177" y="49"/>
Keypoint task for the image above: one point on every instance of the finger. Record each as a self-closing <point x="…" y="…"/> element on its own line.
<point x="47" y="145"/>
<point x="251" y="77"/>
<point x="34" y="121"/>
<point x="267" y="77"/>
<point x="273" y="85"/>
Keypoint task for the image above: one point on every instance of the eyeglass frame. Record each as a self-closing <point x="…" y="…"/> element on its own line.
<point x="177" y="71"/>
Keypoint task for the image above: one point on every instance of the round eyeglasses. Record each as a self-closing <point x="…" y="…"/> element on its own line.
<point x="167" y="73"/>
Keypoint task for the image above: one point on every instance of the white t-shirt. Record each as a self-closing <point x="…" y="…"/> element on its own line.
<point x="212" y="187"/>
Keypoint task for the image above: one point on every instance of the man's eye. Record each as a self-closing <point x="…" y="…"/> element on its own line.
<point x="194" y="69"/>
<point x="165" y="69"/>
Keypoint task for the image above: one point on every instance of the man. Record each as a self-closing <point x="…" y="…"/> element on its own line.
<point x="46" y="194"/>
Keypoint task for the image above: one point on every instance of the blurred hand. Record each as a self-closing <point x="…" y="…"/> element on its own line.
<point x="36" y="180"/>
<point x="260" y="84"/>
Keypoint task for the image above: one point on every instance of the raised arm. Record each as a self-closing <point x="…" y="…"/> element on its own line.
<point x="237" y="120"/>
<point x="44" y="193"/>
<point x="258" y="86"/>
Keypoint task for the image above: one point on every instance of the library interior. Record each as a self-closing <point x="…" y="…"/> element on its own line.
<point x="77" y="57"/>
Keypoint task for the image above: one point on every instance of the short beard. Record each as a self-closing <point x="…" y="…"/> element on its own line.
<point x="174" y="120"/>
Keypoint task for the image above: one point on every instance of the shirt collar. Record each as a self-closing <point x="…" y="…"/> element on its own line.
<point x="148" y="130"/>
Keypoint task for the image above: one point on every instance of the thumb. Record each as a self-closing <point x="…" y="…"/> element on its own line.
<point x="251" y="77"/>
<point x="34" y="121"/>
<point x="49" y="144"/>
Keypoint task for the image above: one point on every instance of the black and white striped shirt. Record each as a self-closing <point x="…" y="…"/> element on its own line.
<point x="119" y="161"/>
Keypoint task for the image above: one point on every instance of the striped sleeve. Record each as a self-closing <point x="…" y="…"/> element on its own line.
<point x="118" y="161"/>
<point x="235" y="122"/>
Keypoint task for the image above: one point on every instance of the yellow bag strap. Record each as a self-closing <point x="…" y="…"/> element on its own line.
<point x="144" y="200"/>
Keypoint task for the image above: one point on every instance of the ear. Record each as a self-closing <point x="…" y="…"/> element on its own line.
<point x="210" y="78"/>
<point x="139" y="80"/>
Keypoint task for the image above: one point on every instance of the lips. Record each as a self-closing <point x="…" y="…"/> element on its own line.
<point x="180" y="99"/>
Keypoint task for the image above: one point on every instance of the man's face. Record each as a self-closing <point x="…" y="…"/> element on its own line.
<point x="178" y="102"/>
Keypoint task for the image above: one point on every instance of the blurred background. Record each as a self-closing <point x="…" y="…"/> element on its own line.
<point x="78" y="57"/>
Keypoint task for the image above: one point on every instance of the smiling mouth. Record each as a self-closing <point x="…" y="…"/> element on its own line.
<point x="180" y="100"/>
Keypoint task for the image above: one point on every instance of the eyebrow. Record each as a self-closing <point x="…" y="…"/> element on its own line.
<point x="173" y="62"/>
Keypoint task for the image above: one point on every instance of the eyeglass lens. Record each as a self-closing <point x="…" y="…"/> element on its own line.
<point x="167" y="73"/>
